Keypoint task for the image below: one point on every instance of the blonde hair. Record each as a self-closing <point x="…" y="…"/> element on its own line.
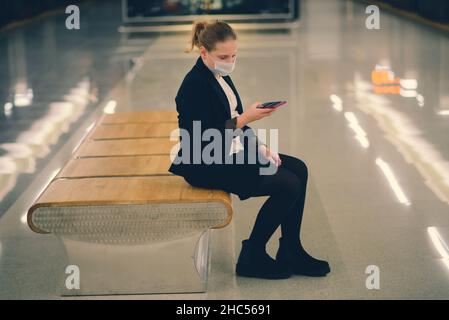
<point x="208" y="33"/>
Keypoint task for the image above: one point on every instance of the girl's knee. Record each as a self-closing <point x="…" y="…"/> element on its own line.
<point x="293" y="185"/>
<point x="301" y="169"/>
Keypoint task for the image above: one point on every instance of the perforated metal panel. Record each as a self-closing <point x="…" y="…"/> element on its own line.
<point x="129" y="224"/>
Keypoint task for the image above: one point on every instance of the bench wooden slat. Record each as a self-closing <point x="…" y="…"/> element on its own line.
<point x="126" y="190"/>
<point x="140" y="117"/>
<point x="133" y="130"/>
<point x="125" y="147"/>
<point x="116" y="166"/>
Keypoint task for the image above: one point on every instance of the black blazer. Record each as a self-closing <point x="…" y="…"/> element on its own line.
<point x="202" y="98"/>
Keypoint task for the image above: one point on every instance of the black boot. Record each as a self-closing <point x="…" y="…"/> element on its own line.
<point x="300" y="261"/>
<point x="255" y="262"/>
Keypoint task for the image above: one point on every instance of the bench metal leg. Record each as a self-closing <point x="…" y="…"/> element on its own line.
<point x="175" y="266"/>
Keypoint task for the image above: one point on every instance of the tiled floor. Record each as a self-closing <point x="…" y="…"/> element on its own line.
<point x="378" y="192"/>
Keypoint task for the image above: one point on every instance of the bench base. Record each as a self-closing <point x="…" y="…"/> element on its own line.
<point x="174" y="266"/>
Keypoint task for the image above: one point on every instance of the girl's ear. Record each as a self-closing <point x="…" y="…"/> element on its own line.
<point x="203" y="51"/>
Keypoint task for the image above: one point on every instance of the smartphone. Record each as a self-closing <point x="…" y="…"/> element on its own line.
<point x="272" y="105"/>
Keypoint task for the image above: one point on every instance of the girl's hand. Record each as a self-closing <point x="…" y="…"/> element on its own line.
<point x="270" y="155"/>
<point x="253" y="113"/>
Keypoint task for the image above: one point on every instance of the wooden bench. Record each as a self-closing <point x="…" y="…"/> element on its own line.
<point x="158" y="116"/>
<point x="127" y="223"/>
<point x="124" y="147"/>
<point x="145" y="165"/>
<point x="133" y="130"/>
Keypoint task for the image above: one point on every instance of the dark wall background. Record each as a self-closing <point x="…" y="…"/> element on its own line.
<point x="435" y="10"/>
<point x="17" y="10"/>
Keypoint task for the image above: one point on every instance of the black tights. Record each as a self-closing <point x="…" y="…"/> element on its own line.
<point x="285" y="206"/>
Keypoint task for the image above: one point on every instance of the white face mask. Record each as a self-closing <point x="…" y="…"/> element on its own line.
<point x="223" y="68"/>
